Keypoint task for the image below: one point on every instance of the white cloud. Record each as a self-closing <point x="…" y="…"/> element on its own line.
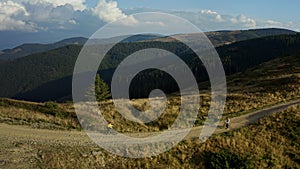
<point x="74" y="17"/>
<point x="129" y="21"/>
<point x="77" y="5"/>
<point x="210" y="12"/>
<point x="219" y="18"/>
<point x="9" y="10"/>
<point x="37" y="15"/>
<point x="72" y="21"/>
<point x="209" y="20"/>
<point x="215" y="15"/>
<point x="241" y="19"/>
<point x="161" y="24"/>
<point x="271" y="23"/>
<point x="108" y="11"/>
<point x="248" y="22"/>
<point x="276" y="24"/>
<point x="48" y="13"/>
<point x="234" y="20"/>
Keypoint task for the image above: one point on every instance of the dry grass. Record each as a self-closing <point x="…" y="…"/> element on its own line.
<point x="254" y="89"/>
<point x="265" y="85"/>
<point x="260" y="87"/>
<point x="273" y="142"/>
<point x="37" y="115"/>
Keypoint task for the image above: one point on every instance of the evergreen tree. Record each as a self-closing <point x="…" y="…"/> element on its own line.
<point x="101" y="90"/>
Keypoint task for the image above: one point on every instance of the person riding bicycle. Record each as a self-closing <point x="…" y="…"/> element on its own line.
<point x="227" y="121"/>
<point x="109" y="128"/>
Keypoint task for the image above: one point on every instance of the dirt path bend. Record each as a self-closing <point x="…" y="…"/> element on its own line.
<point x="253" y="117"/>
<point x="18" y="143"/>
<point x="246" y="119"/>
<point x="76" y="137"/>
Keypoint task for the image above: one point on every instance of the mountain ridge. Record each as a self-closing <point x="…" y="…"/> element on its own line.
<point x="218" y="38"/>
<point x="225" y="37"/>
<point x="31" y="48"/>
<point x="45" y="73"/>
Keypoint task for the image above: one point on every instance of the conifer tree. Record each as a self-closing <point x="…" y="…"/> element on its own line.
<point x="101" y="90"/>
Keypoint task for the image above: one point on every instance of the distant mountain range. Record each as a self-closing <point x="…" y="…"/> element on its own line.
<point x="48" y="75"/>
<point x="218" y="38"/>
<point x="28" y="49"/>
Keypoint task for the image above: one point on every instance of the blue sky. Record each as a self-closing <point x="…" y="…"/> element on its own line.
<point x="281" y="10"/>
<point x="44" y="21"/>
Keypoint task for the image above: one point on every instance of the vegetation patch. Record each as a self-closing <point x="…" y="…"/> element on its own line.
<point x="224" y="159"/>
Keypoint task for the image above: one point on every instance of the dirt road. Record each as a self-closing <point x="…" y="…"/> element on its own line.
<point x="18" y="142"/>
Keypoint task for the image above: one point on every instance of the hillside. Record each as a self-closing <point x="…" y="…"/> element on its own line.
<point x="47" y="76"/>
<point x="30" y="72"/>
<point x="272" y="142"/>
<point x="264" y="85"/>
<point x="220" y="38"/>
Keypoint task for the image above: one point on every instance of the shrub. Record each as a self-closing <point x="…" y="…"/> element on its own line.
<point x="51" y="108"/>
<point x="225" y="159"/>
<point x="51" y="105"/>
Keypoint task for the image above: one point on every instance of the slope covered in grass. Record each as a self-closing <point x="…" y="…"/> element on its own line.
<point x="48" y="115"/>
<point x="267" y="84"/>
<point x="273" y="142"/>
<point x="48" y="76"/>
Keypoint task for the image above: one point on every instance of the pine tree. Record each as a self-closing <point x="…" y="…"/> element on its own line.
<point x="101" y="90"/>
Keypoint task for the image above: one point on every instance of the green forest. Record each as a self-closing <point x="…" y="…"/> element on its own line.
<point x="48" y="75"/>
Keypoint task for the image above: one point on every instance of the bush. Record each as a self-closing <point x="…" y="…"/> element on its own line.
<point x="51" y="105"/>
<point x="51" y="108"/>
<point x="2" y="103"/>
<point x="225" y="159"/>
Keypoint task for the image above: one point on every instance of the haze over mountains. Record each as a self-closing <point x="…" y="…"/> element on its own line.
<point x="44" y="72"/>
<point x="218" y="38"/>
<point x="27" y="49"/>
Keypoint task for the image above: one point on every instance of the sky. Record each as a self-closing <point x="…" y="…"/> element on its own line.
<point x="44" y="21"/>
<point x="280" y="10"/>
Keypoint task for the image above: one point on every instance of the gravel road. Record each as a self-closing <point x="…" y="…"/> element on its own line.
<point x="18" y="143"/>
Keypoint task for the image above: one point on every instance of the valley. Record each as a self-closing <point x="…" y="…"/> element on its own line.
<point x="39" y="127"/>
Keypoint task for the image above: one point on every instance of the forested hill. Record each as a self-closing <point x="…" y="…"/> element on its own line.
<point x="30" y="72"/>
<point x="47" y="76"/>
<point x="31" y="48"/>
<point x="218" y="38"/>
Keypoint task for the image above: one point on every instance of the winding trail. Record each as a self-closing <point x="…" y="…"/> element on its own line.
<point x="24" y="132"/>
<point x="246" y="119"/>
<point x="19" y="143"/>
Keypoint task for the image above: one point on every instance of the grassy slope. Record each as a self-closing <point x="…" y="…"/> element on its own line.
<point x="264" y="85"/>
<point x="47" y="115"/>
<point x="273" y="142"/>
